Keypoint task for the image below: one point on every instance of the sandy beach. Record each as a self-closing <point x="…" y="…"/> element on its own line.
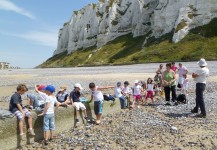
<point x="151" y="127"/>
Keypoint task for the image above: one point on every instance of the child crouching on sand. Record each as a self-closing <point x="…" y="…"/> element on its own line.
<point x="48" y="113"/>
<point x="75" y="99"/>
<point x="97" y="96"/>
<point x="21" y="112"/>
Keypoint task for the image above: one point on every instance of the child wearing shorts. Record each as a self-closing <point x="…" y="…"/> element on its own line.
<point x="21" y="112"/>
<point x="137" y="89"/>
<point x="48" y="113"/>
<point x="150" y="89"/>
<point x="76" y="103"/>
<point x="97" y="96"/>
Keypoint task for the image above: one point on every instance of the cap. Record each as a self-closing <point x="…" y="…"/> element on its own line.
<point x="78" y="85"/>
<point x="50" y="88"/>
<point x="136" y="81"/>
<point x="118" y="83"/>
<point x="41" y="87"/>
<point x="62" y="88"/>
<point x="202" y="62"/>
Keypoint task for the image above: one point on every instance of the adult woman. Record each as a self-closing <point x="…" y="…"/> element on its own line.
<point x="169" y="83"/>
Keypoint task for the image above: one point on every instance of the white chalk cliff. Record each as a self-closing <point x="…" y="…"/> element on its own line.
<point x="97" y="24"/>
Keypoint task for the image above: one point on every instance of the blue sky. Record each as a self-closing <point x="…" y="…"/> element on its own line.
<point x="29" y="28"/>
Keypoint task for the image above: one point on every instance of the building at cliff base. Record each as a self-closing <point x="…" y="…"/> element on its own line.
<point x="4" y="65"/>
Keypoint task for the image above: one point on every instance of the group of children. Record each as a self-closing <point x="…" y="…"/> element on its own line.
<point x="138" y="93"/>
<point x="45" y="102"/>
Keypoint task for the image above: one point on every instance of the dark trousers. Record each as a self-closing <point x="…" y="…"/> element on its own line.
<point x="200" y="88"/>
<point x="167" y="91"/>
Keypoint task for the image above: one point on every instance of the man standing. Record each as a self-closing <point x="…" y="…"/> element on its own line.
<point x="200" y="77"/>
<point x="182" y="71"/>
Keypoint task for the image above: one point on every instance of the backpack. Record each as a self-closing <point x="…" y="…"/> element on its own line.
<point x="108" y="97"/>
<point x="179" y="86"/>
<point x="182" y="98"/>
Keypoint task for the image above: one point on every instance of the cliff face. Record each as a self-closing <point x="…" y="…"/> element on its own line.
<point x="97" y="24"/>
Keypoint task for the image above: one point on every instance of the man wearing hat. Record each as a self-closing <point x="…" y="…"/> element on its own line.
<point x="200" y="77"/>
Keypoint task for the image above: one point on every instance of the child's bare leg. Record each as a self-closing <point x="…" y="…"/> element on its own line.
<point x="98" y="118"/>
<point x="30" y="122"/>
<point x="21" y="127"/>
<point x="76" y="114"/>
<point x="51" y="134"/>
<point x="46" y="136"/>
<point x="85" y="113"/>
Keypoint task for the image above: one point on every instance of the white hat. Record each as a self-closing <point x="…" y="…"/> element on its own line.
<point x="78" y="85"/>
<point x="202" y="62"/>
<point x="136" y="81"/>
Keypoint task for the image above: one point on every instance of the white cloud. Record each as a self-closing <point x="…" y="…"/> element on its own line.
<point x="9" y="6"/>
<point x="47" y="38"/>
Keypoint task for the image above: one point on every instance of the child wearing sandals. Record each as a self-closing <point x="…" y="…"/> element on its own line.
<point x="150" y="89"/>
<point x="48" y="113"/>
<point x="97" y="96"/>
<point x="76" y="102"/>
<point x="137" y="89"/>
<point x="21" y="112"/>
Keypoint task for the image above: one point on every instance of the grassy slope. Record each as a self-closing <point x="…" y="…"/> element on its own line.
<point x="200" y="42"/>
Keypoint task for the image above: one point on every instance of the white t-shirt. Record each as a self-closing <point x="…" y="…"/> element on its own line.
<point x="203" y="74"/>
<point x="137" y="90"/>
<point x="52" y="100"/>
<point x="97" y="95"/>
<point x="185" y="84"/>
<point x="42" y="98"/>
<point x="182" y="71"/>
<point x="150" y="87"/>
<point x="118" y="91"/>
<point x="127" y="90"/>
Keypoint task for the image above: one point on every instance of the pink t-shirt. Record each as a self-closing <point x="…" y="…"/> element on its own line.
<point x="182" y="71"/>
<point x="174" y="68"/>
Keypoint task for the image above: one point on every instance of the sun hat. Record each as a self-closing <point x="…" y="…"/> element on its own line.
<point x="136" y="81"/>
<point x="50" y="88"/>
<point x="62" y="88"/>
<point x="78" y="85"/>
<point x="41" y="87"/>
<point x="202" y="62"/>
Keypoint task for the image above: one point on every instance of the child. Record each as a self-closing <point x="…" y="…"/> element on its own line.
<point x="75" y="99"/>
<point x="185" y="84"/>
<point x="150" y="89"/>
<point x="127" y="92"/>
<point x="62" y="96"/>
<point x="137" y="89"/>
<point x="21" y="112"/>
<point x="98" y="100"/>
<point x="48" y="113"/>
<point x="144" y="93"/>
<point x="119" y="94"/>
<point x="37" y="101"/>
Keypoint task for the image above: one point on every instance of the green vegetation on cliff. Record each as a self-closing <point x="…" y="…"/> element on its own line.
<point x="200" y="42"/>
